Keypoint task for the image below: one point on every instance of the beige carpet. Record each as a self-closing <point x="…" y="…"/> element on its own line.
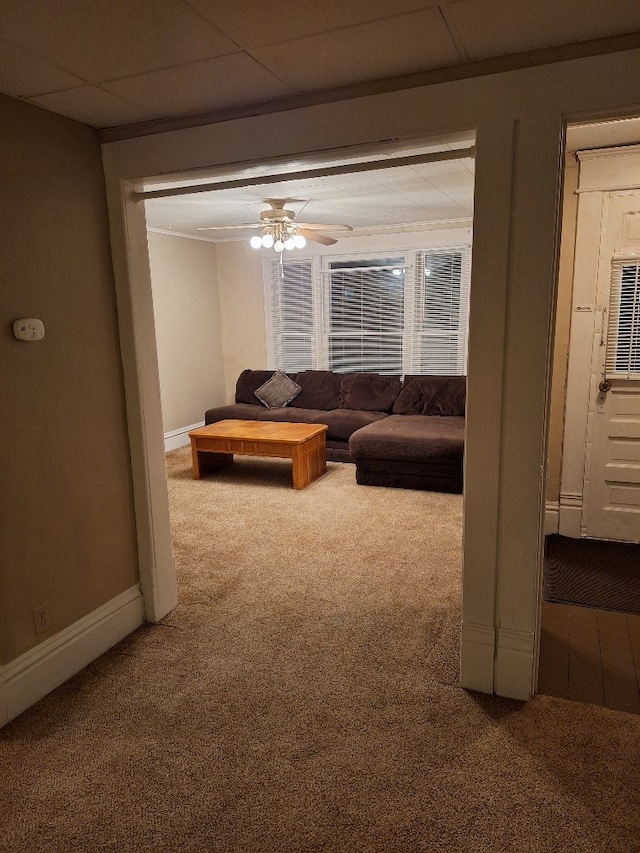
<point x="303" y="697"/>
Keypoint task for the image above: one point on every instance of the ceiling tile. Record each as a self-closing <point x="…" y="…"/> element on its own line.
<point x="498" y="27"/>
<point x="445" y="167"/>
<point x="94" y="106"/>
<point x="267" y="23"/>
<point x="370" y="51"/>
<point x="195" y="88"/>
<point x="101" y="40"/>
<point x="22" y="75"/>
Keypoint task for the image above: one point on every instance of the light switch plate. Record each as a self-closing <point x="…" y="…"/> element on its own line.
<point x="28" y="329"/>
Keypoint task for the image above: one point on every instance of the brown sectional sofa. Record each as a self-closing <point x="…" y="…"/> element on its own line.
<point x="406" y="434"/>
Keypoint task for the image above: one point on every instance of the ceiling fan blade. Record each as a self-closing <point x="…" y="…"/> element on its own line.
<point x="254" y="225"/>
<point x="315" y="237"/>
<point x="323" y="226"/>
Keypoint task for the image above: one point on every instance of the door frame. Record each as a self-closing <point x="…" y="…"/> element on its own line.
<point x="602" y="171"/>
<point x="519" y="145"/>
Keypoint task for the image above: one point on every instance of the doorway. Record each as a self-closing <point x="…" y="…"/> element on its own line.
<point x="590" y="646"/>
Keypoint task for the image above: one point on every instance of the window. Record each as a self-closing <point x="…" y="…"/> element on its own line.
<point x="442" y="307"/>
<point x="366" y="315"/>
<point x="401" y="314"/>
<point x="290" y="309"/>
<point x="623" y="337"/>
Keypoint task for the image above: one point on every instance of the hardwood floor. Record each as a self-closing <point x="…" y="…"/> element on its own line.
<point x="590" y="656"/>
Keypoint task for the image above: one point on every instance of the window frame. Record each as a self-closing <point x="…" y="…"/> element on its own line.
<point x="320" y="277"/>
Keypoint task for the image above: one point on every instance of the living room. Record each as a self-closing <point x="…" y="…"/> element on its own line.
<point x="212" y="291"/>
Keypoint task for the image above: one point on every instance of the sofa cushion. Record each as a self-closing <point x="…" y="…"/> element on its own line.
<point x="278" y="391"/>
<point x="290" y="414"/>
<point x="369" y="392"/>
<point x="411" y="438"/>
<point x="343" y="423"/>
<point x="234" y="412"/>
<point x="432" y="395"/>
<point x="320" y="390"/>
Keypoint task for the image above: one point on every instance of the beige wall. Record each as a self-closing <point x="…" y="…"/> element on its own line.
<point x="66" y="509"/>
<point x="562" y="329"/>
<point x="188" y="331"/>
<point x="242" y="306"/>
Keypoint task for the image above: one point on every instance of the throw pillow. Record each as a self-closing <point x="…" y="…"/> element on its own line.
<point x="278" y="391"/>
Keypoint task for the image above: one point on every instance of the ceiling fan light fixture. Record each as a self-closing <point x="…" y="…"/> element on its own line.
<point x="278" y="231"/>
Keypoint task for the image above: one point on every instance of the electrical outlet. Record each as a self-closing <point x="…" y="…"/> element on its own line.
<point x="42" y="619"/>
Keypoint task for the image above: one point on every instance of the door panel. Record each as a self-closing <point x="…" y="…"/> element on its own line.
<point x="611" y="508"/>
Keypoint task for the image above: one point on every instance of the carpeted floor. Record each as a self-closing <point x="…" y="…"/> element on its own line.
<point x="304" y="697"/>
<point x="593" y="573"/>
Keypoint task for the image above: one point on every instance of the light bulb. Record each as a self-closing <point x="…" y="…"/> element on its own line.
<point x="289" y="243"/>
<point x="255" y="241"/>
<point x="267" y="240"/>
<point x="299" y="241"/>
<point x="278" y="246"/>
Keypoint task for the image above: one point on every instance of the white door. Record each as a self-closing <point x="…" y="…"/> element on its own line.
<point x="611" y="496"/>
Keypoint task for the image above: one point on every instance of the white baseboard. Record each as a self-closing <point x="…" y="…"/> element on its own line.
<point x="551" y="517"/>
<point x="179" y="437"/>
<point x="40" y="670"/>
<point x="477" y="652"/>
<point x="515" y="651"/>
<point x="570" y="516"/>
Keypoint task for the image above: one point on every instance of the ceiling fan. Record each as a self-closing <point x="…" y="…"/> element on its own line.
<point x="278" y="228"/>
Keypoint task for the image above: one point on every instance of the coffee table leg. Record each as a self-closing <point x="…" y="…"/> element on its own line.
<point x="300" y="469"/>
<point x="309" y="461"/>
<point x="207" y="462"/>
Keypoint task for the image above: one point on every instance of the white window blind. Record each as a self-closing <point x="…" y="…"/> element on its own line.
<point x="623" y="336"/>
<point x="441" y="312"/>
<point x="365" y="315"/>
<point x="394" y="315"/>
<point x="292" y="315"/>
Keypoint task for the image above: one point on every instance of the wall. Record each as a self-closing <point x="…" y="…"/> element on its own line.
<point x="242" y="306"/>
<point x="242" y="290"/>
<point x="188" y="330"/>
<point x="66" y="507"/>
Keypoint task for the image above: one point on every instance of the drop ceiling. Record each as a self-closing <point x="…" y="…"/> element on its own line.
<point x="118" y="63"/>
<point x="111" y="63"/>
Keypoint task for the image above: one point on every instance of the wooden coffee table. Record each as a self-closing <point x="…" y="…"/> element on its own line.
<point x="213" y="446"/>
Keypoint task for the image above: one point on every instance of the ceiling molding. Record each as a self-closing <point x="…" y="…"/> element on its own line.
<point x="182" y="235"/>
<point x="299" y="174"/>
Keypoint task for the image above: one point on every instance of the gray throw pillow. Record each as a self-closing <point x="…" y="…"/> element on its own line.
<point x="278" y="391"/>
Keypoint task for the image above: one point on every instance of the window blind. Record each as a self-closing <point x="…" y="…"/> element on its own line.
<point x="366" y="315"/>
<point x="441" y="294"/>
<point x="292" y="316"/>
<point x="392" y="315"/>
<point x="622" y="360"/>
